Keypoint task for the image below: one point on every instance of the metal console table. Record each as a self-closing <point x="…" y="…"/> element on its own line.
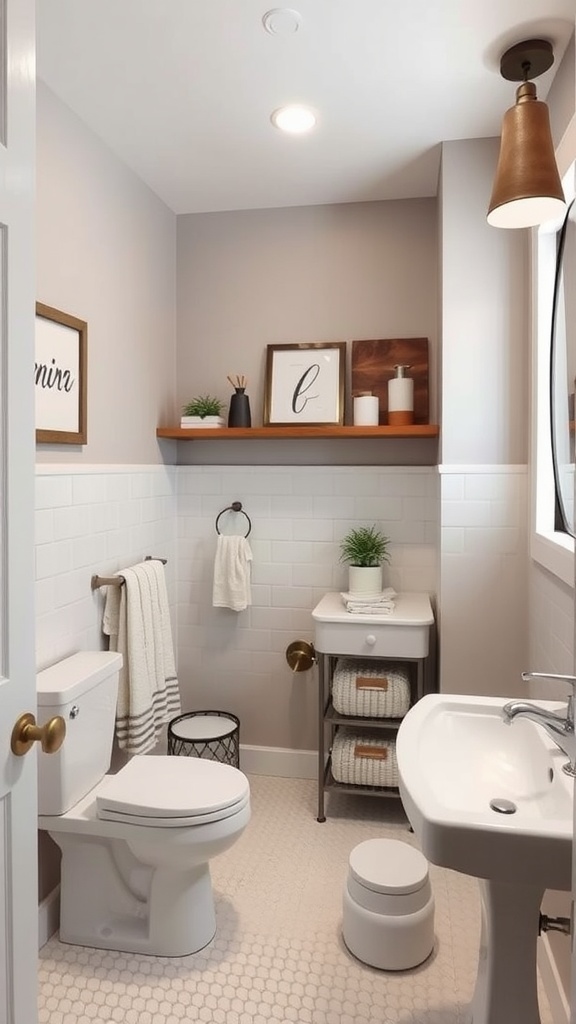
<point x="402" y="636"/>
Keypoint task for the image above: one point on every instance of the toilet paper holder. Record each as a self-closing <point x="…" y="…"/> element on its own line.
<point x="300" y="655"/>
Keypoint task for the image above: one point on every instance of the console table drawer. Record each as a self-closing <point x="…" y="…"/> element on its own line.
<point x="373" y="640"/>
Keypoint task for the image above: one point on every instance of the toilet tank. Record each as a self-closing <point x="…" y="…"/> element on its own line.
<point x="83" y="690"/>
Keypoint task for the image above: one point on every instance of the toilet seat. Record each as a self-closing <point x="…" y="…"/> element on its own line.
<point x="172" y="792"/>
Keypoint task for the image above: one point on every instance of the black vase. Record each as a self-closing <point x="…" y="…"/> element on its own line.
<point x="239" y="411"/>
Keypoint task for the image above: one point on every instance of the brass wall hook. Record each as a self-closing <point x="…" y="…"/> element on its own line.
<point x="300" y="655"/>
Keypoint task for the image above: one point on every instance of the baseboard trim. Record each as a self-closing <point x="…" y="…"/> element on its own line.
<point x="280" y="762"/>
<point x="557" y="998"/>
<point x="48" y="916"/>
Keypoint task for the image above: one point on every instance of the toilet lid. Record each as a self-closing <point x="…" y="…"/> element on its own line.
<point x="175" y="791"/>
<point x="388" y="866"/>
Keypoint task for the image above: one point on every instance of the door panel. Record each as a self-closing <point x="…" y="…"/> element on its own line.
<point x="18" y="867"/>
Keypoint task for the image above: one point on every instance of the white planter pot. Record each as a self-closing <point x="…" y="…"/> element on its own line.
<point x="202" y="421"/>
<point x="365" y="580"/>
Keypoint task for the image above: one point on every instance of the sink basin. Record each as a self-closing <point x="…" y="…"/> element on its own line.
<point x="455" y="755"/>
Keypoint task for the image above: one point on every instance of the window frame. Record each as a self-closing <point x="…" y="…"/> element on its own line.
<point x="551" y="548"/>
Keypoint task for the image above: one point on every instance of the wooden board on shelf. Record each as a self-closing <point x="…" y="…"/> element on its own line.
<point x="373" y="365"/>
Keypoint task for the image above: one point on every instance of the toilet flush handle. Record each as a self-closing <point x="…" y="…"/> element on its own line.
<point x="25" y="733"/>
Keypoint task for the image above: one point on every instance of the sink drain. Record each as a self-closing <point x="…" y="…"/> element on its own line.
<point x="503" y="806"/>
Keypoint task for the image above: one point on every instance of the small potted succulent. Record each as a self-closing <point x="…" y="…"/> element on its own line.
<point x="365" y="549"/>
<point x="203" y="411"/>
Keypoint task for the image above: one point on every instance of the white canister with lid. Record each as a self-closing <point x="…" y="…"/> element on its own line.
<point x="400" y="398"/>
<point x="366" y="409"/>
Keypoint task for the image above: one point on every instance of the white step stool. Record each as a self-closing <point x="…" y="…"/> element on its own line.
<point x="388" y="913"/>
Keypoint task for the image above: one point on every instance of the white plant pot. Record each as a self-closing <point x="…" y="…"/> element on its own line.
<point x="365" y="580"/>
<point x="202" y="421"/>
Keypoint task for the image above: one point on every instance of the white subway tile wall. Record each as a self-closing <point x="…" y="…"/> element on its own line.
<point x="299" y="515"/>
<point x="483" y="579"/>
<point x="101" y="518"/>
<point x="551" y="632"/>
<point x="94" y="520"/>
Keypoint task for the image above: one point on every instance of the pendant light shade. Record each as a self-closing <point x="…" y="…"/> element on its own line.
<point x="527" y="189"/>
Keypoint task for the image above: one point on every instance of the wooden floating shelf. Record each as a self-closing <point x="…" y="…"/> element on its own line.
<point x="289" y="433"/>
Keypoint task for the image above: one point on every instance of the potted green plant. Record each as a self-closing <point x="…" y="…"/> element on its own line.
<point x="365" y="549"/>
<point x="203" y="411"/>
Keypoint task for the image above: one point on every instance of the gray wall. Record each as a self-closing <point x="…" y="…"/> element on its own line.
<point x="485" y="317"/>
<point x="484" y="423"/>
<point x="561" y="97"/>
<point x="325" y="273"/>
<point x="106" y="253"/>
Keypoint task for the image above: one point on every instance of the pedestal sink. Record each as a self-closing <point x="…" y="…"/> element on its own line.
<point x="458" y="762"/>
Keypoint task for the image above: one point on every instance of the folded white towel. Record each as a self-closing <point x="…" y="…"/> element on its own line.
<point x="370" y="609"/>
<point x="366" y="604"/>
<point x="385" y="595"/>
<point x="137" y="621"/>
<point x="231" y="588"/>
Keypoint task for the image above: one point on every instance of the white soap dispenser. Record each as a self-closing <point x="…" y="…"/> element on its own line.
<point x="400" y="398"/>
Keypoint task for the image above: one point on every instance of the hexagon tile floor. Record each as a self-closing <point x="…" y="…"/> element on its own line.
<point x="278" y="955"/>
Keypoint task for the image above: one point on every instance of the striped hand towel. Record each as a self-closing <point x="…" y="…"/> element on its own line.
<point x="137" y="620"/>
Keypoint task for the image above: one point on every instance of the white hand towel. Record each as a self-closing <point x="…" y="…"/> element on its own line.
<point x="370" y="609"/>
<point x="385" y="597"/>
<point x="231" y="587"/>
<point x="137" y="620"/>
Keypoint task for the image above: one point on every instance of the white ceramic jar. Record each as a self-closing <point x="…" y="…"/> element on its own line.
<point x="366" y="410"/>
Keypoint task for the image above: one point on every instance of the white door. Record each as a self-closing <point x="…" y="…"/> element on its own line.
<point x="18" y="871"/>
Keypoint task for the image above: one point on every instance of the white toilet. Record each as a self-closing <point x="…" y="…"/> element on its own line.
<point x="135" y="845"/>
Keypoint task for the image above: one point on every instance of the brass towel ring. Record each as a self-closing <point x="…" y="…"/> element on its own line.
<point x="236" y="506"/>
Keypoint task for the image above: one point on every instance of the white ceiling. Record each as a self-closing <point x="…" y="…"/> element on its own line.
<point x="182" y="90"/>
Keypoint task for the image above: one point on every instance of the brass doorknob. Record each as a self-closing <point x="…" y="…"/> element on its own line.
<point x="26" y="733"/>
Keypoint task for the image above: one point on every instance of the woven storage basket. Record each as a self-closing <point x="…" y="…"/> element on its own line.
<point x="375" y="689"/>
<point x="366" y="758"/>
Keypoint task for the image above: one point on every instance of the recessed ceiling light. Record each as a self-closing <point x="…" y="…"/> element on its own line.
<point x="282" y="21"/>
<point x="293" y="119"/>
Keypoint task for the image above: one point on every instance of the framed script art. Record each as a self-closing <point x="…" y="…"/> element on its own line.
<point x="305" y="384"/>
<point x="60" y="377"/>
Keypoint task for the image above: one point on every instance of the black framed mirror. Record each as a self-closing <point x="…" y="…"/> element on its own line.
<point x="563" y="372"/>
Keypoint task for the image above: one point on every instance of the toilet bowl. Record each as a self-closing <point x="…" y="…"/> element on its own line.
<point x="136" y="845"/>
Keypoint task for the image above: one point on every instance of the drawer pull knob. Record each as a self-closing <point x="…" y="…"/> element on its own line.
<point x="371" y="639"/>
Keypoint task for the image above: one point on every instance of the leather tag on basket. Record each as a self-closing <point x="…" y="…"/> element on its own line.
<point x="375" y="753"/>
<point x="371" y="683"/>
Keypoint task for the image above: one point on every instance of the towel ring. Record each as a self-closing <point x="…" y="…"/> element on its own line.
<point x="236" y="506"/>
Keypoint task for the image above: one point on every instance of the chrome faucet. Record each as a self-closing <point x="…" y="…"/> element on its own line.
<point x="560" y="727"/>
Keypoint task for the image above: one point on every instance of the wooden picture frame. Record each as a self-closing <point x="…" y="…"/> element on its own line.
<point x="60" y="377"/>
<point x="305" y="384"/>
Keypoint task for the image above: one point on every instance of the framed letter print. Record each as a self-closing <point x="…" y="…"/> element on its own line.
<point x="305" y="384"/>
<point x="60" y="383"/>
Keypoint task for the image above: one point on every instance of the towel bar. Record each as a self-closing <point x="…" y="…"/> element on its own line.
<point x="118" y="580"/>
